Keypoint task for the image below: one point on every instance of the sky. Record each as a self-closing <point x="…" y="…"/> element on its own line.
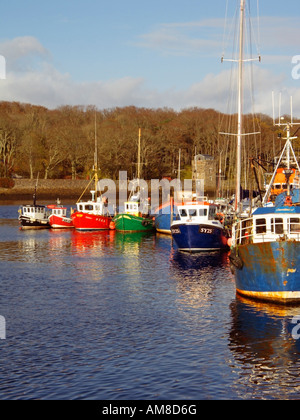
<point x="154" y="54"/>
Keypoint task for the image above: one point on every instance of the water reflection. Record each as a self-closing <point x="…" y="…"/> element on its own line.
<point x="132" y="243"/>
<point x="95" y="242"/>
<point x="198" y="275"/>
<point x="266" y="356"/>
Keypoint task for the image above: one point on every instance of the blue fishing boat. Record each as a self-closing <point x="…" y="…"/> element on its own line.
<point x="265" y="248"/>
<point x="265" y="244"/>
<point x="199" y="227"/>
<point x="164" y="216"/>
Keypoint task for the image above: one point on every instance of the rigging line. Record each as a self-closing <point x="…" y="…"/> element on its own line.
<point x="225" y="27"/>
<point x="258" y="27"/>
<point x="256" y="41"/>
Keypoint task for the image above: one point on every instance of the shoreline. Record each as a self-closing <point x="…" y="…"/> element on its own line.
<point x="49" y="189"/>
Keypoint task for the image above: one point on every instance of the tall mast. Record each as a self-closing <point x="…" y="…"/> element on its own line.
<point x="139" y="155"/>
<point x="240" y="132"/>
<point x="240" y="106"/>
<point x="96" y="157"/>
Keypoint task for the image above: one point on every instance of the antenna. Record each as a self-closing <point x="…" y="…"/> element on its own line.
<point x="273" y="105"/>
<point x="279" y="118"/>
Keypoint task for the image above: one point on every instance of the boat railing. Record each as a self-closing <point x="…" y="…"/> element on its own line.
<point x="273" y="229"/>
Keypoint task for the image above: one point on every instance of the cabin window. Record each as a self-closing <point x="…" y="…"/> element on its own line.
<point x="202" y="212"/>
<point x="212" y="213"/>
<point x="261" y="226"/>
<point x="183" y="213"/>
<point x="295" y="225"/>
<point x="89" y="207"/>
<point x="277" y="226"/>
<point x="80" y="207"/>
<point x="192" y="212"/>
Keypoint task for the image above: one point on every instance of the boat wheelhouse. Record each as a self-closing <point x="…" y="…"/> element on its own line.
<point x="279" y="184"/>
<point x="199" y="227"/>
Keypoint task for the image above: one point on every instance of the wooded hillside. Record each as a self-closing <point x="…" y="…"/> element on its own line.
<point x="60" y="143"/>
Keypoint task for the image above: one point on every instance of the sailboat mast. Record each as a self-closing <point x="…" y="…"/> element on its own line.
<point x="96" y="156"/>
<point x="240" y="106"/>
<point x="139" y="155"/>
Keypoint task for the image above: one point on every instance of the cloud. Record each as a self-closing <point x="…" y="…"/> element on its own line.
<point x="39" y="82"/>
<point x="183" y="39"/>
<point x="23" y="53"/>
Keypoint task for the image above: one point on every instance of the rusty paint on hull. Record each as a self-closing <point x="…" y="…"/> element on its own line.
<point x="271" y="271"/>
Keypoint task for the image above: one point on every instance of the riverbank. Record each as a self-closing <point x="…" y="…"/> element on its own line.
<point x="48" y="189"/>
<point x="52" y="189"/>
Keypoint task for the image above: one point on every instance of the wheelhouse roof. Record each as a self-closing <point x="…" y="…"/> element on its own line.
<point x="262" y="211"/>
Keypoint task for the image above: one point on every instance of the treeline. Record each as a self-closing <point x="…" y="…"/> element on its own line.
<point x="60" y="143"/>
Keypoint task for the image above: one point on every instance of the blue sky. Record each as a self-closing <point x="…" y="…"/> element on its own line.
<point x="153" y="54"/>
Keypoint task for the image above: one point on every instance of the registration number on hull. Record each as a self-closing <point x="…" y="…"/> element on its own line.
<point x="206" y="230"/>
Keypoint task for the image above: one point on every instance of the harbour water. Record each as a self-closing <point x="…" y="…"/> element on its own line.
<point x="107" y="316"/>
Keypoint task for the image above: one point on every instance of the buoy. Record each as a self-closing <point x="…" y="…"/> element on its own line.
<point x="229" y="242"/>
<point x="112" y="226"/>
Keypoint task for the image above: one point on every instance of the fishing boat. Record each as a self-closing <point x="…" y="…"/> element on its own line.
<point x="58" y="218"/>
<point x="199" y="227"/>
<point x="92" y="214"/>
<point x="164" y="216"/>
<point x="265" y="247"/>
<point x="34" y="216"/>
<point x="135" y="216"/>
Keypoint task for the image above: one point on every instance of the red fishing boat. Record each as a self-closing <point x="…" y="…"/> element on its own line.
<point x="92" y="214"/>
<point x="58" y="218"/>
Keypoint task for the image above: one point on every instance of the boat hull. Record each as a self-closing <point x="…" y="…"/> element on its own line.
<point x="164" y="217"/>
<point x="86" y="221"/>
<point x="132" y="223"/>
<point x="198" y="237"/>
<point x="27" y="223"/>
<point x="57" y="222"/>
<point x="268" y="271"/>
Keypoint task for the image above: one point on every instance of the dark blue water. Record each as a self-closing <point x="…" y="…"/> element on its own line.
<point x="111" y="316"/>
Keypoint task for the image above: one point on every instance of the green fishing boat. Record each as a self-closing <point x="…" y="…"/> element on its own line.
<point x="135" y="217"/>
<point x="132" y="220"/>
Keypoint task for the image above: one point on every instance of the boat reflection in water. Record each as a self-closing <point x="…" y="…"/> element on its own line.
<point x="92" y="240"/>
<point x="265" y="348"/>
<point x="198" y="275"/>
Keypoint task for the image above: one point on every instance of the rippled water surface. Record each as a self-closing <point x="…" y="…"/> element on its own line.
<point x="111" y="316"/>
